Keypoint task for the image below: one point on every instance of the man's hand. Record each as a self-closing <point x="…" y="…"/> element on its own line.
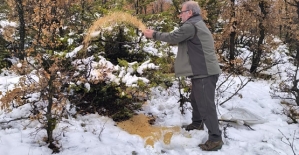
<point x="148" y="33"/>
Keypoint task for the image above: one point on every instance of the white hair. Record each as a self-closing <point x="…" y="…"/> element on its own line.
<point x="193" y="6"/>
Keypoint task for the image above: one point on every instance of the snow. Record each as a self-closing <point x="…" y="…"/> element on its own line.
<point x="4" y="23"/>
<point x="74" y="52"/>
<point x="94" y="134"/>
<point x="146" y="65"/>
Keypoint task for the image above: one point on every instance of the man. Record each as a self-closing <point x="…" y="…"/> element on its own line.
<point x="196" y="59"/>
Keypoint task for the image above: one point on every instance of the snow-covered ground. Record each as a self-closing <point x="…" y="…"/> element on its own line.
<point x="98" y="135"/>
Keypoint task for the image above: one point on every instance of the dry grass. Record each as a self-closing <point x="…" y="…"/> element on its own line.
<point x="112" y="19"/>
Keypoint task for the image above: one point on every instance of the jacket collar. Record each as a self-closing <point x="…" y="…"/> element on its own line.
<point x="196" y="17"/>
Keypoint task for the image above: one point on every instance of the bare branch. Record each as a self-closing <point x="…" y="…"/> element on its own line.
<point x="236" y="92"/>
<point x="16" y="119"/>
<point x="291" y="144"/>
<point x="248" y="126"/>
<point x="102" y="129"/>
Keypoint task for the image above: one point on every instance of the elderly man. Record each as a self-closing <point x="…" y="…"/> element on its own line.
<point x="196" y="59"/>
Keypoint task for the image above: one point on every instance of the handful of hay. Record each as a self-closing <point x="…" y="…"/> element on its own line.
<point x="112" y="19"/>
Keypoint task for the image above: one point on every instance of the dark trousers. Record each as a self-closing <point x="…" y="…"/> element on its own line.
<point x="203" y="104"/>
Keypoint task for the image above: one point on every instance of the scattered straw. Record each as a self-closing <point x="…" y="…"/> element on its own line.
<point x="139" y="125"/>
<point x="112" y="19"/>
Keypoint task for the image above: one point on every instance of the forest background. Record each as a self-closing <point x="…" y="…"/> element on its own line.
<point x="43" y="43"/>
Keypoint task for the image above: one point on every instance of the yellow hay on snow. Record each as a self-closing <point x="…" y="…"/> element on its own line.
<point x="112" y="19"/>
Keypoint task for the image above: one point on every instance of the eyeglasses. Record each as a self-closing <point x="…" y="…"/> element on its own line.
<point x="181" y="12"/>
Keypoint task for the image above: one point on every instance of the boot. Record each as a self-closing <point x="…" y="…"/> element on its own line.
<point x="211" y="145"/>
<point x="193" y="126"/>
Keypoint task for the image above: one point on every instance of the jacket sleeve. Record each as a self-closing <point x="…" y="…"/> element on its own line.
<point x="185" y="32"/>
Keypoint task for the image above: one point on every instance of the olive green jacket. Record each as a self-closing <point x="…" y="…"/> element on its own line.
<point x="196" y="55"/>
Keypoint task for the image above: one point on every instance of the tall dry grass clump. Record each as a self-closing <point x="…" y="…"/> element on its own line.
<point x="112" y="19"/>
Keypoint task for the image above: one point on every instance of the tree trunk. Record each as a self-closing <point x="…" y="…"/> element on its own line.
<point x="297" y="51"/>
<point x="137" y="7"/>
<point x="297" y="58"/>
<point x="51" y="122"/>
<point x="20" y="10"/>
<point x="257" y="55"/>
<point x="144" y="8"/>
<point x="161" y="6"/>
<point x="232" y="35"/>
